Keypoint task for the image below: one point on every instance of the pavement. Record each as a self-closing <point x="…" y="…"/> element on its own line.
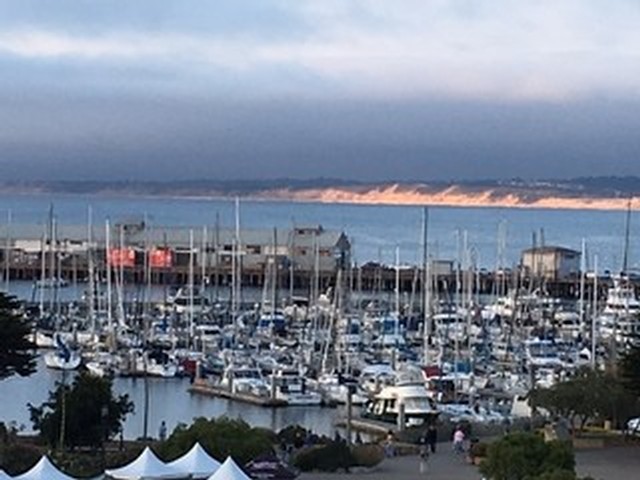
<point x="615" y="463"/>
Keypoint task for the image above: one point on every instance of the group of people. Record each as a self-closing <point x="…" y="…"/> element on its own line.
<point x="429" y="440"/>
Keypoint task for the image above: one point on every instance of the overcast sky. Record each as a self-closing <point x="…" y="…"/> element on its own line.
<point x="362" y="89"/>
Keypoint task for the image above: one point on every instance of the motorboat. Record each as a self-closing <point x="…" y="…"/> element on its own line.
<point x="541" y="353"/>
<point x="292" y="388"/>
<point x="244" y="379"/>
<point x="419" y="407"/>
<point x="336" y="387"/>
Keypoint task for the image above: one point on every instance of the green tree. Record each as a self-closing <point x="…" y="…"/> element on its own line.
<point x="17" y="353"/>
<point x="629" y="369"/>
<point x="589" y="395"/>
<point x="524" y="456"/>
<point x="92" y="414"/>
<point x="221" y="437"/>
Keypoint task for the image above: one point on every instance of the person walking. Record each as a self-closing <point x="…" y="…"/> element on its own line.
<point x="162" y="433"/>
<point x="458" y="440"/>
<point x="432" y="437"/>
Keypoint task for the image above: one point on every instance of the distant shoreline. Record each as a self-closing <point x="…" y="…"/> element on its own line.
<point x="570" y="195"/>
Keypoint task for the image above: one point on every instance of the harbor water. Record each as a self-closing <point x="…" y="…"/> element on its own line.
<point x="375" y="233"/>
<point x="169" y="400"/>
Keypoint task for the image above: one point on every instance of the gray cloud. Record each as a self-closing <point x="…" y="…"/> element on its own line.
<point x="165" y="139"/>
<point x="366" y="89"/>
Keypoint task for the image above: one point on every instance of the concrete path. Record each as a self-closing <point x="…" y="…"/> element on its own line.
<point x="619" y="463"/>
<point x="444" y="465"/>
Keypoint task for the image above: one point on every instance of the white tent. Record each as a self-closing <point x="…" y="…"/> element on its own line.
<point x="196" y="462"/>
<point x="146" y="467"/>
<point x="43" y="470"/>
<point x="229" y="470"/>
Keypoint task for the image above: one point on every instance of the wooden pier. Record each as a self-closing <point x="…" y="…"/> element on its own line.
<point x="201" y="387"/>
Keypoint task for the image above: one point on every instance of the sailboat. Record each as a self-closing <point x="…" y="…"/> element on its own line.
<point x="62" y="358"/>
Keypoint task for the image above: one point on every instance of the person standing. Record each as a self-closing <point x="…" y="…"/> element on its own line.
<point x="432" y="437"/>
<point x="388" y="444"/>
<point x="458" y="440"/>
<point x="162" y="433"/>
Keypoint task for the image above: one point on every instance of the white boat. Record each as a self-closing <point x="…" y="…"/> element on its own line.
<point x="450" y="324"/>
<point x="463" y="412"/>
<point x="622" y="300"/>
<point x="62" y="358"/>
<point x="156" y="364"/>
<point x="620" y="318"/>
<point x="375" y="377"/>
<point x="542" y="353"/>
<point x="103" y="364"/>
<point x="568" y="323"/>
<point x="61" y="361"/>
<point x="187" y="299"/>
<point x="43" y="339"/>
<point x="291" y="387"/>
<point x="419" y="407"/>
<point x="336" y="388"/>
<point x="244" y="379"/>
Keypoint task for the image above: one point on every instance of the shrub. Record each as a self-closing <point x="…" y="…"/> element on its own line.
<point x="368" y="455"/>
<point x="17" y="458"/>
<point x="524" y="456"/>
<point x="479" y="449"/>
<point x="221" y="438"/>
<point x="326" y="458"/>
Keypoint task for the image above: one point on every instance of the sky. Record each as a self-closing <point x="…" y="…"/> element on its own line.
<point x="371" y="90"/>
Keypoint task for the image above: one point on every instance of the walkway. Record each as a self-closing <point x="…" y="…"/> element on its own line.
<point x="618" y="463"/>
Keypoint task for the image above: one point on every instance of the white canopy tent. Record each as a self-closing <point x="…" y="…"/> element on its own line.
<point x="146" y="467"/>
<point x="196" y="462"/>
<point x="229" y="470"/>
<point x="43" y="470"/>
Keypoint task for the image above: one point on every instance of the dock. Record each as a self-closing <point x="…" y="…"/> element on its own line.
<point x="203" y="388"/>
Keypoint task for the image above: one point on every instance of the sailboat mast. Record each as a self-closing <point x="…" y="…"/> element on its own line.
<point x="92" y="317"/>
<point x="583" y="261"/>
<point x="191" y="286"/>
<point x="426" y="285"/>
<point x="274" y="286"/>
<point x="107" y="229"/>
<point x="594" y="312"/>
<point x="627" y="230"/>
<point x="397" y="286"/>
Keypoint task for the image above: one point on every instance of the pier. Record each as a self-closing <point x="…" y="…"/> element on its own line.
<point x="201" y="387"/>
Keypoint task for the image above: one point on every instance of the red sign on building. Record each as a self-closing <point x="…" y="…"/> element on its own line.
<point x="121" y="257"/>
<point x="160" y="258"/>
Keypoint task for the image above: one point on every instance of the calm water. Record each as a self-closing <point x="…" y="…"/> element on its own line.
<point x="375" y="231"/>
<point x="169" y="400"/>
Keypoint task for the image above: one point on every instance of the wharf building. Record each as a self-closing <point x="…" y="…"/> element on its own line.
<point x="175" y="255"/>
<point x="301" y="257"/>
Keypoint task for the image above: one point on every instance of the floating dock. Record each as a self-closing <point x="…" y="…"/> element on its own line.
<point x="203" y="388"/>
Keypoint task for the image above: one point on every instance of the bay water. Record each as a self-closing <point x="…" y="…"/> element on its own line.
<point x="375" y="231"/>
